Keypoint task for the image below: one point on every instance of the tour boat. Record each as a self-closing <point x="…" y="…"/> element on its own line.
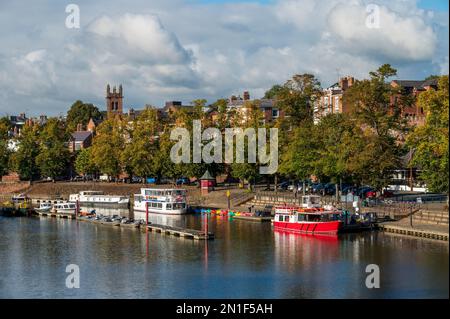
<point x="93" y="198"/>
<point x="64" y="207"/>
<point x="160" y="201"/>
<point x="310" y="217"/>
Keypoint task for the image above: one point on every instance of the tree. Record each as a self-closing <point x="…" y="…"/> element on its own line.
<point x="108" y="146"/>
<point x="4" y="151"/>
<point x="430" y="141"/>
<point x="331" y="135"/>
<point x="53" y="157"/>
<point x="84" y="164"/>
<point x="374" y="151"/>
<point x="81" y="113"/>
<point x="273" y="92"/>
<point x="138" y="155"/>
<point x="23" y="160"/>
<point x="249" y="171"/>
<point x="297" y="161"/>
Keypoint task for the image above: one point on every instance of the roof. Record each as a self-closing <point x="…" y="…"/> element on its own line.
<point x="207" y="176"/>
<point x="421" y="84"/>
<point x="81" y="136"/>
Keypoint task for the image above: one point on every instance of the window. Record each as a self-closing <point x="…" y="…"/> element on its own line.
<point x="275" y="113"/>
<point x="168" y="206"/>
<point x="336" y="103"/>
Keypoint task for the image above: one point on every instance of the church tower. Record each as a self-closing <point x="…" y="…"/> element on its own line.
<point x="114" y="101"/>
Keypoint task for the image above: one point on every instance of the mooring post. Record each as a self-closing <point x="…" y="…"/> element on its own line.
<point x="146" y="214"/>
<point x="206" y="225"/>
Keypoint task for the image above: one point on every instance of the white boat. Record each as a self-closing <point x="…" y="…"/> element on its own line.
<point x="160" y="201"/>
<point x="64" y="207"/>
<point x="94" y="198"/>
<point x="44" y="207"/>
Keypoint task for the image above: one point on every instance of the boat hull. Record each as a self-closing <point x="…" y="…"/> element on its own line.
<point x="161" y="211"/>
<point x="332" y="227"/>
<point x="103" y="204"/>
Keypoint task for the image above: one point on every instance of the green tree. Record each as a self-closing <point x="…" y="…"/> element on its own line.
<point x="331" y="135"/>
<point x="375" y="109"/>
<point x="81" y="113"/>
<point x="53" y="158"/>
<point x="84" y="163"/>
<point x="430" y="141"/>
<point x="253" y="119"/>
<point x="273" y="92"/>
<point x="138" y="155"/>
<point x="108" y="146"/>
<point x="24" y="159"/>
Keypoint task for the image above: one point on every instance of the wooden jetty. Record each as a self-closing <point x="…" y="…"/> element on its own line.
<point x="411" y="231"/>
<point x="253" y="218"/>
<point x="179" y="232"/>
<point x="57" y="215"/>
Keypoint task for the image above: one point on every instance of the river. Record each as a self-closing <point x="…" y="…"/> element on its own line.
<point x="245" y="260"/>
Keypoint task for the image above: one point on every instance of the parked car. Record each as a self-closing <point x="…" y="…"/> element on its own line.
<point x="136" y="179"/>
<point x="182" y="181"/>
<point x="317" y="187"/>
<point x="78" y="178"/>
<point x="283" y="185"/>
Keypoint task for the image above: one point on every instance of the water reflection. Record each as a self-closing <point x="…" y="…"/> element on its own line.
<point x="245" y="260"/>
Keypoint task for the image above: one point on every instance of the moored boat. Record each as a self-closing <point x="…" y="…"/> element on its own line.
<point x="310" y="218"/>
<point x="64" y="208"/>
<point x="94" y="198"/>
<point x="44" y="207"/>
<point x="160" y="201"/>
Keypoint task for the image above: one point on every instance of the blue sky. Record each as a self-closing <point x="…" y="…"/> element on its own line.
<point x="163" y="50"/>
<point x="440" y="5"/>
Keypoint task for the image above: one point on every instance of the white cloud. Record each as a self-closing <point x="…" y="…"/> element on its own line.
<point x="167" y="50"/>
<point x="398" y="37"/>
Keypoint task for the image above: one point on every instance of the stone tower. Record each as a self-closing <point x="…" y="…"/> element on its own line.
<point x="114" y="101"/>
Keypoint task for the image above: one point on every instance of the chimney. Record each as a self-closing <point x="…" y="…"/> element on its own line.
<point x="246" y="96"/>
<point x="79" y="127"/>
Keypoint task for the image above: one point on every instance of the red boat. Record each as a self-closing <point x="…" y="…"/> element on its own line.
<point x="310" y="217"/>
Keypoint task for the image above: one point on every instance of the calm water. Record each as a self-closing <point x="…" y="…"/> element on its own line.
<point x="246" y="260"/>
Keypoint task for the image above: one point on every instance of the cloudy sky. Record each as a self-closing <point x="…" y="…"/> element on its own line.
<point x="185" y="49"/>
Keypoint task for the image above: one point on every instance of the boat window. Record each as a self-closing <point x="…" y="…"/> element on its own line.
<point x="300" y="217"/>
<point x="153" y="204"/>
<point x="168" y="206"/>
<point x="159" y="205"/>
<point x="183" y="205"/>
<point x="168" y="193"/>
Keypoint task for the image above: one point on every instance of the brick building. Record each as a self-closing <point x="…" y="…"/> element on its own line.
<point x="331" y="100"/>
<point x="240" y="105"/>
<point x="413" y="113"/>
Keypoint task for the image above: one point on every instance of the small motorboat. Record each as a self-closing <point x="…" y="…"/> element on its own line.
<point x="64" y="208"/>
<point x="44" y="207"/>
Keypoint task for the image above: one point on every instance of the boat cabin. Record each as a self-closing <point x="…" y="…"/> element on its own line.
<point x="310" y="201"/>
